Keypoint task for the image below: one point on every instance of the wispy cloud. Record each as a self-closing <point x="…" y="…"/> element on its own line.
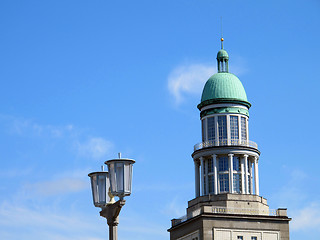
<point x="62" y="183"/>
<point x="58" y="186"/>
<point x="95" y="147"/>
<point x="301" y="204"/>
<point x="307" y="218"/>
<point x="174" y="208"/>
<point x="45" y="223"/>
<point x="138" y="226"/>
<point x="30" y="128"/>
<point x="292" y="190"/>
<point x="188" y="79"/>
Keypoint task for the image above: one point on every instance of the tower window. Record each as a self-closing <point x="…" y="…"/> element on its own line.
<point x="205" y="185"/>
<point x="236" y="175"/>
<point x="254" y="238"/>
<point x="224" y="182"/>
<point x="223" y="164"/>
<point x="211" y="183"/>
<point x="211" y="129"/>
<point x="236" y="163"/>
<point x="243" y="128"/>
<point x="210" y="165"/>
<point x="222" y="127"/>
<point x="240" y="238"/>
<point x="203" y="129"/>
<point x="249" y="165"/>
<point x="234" y="128"/>
<point x="236" y="183"/>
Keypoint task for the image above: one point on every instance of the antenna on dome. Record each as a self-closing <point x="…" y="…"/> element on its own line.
<point x="221" y="33"/>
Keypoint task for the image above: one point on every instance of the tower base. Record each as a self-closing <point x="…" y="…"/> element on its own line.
<point x="230" y="217"/>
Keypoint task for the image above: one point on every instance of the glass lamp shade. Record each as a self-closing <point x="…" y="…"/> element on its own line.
<point x="100" y="185"/>
<point x="120" y="173"/>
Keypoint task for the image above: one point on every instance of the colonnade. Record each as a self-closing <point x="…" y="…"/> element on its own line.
<point x="246" y="187"/>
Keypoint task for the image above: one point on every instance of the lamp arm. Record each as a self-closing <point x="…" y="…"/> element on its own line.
<point x="111" y="212"/>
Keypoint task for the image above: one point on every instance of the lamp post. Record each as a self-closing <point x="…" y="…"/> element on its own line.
<point x="106" y="185"/>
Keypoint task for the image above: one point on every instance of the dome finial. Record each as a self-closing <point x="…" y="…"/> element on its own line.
<point x="222" y="56"/>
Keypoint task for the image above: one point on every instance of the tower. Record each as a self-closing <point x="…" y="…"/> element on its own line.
<point x="227" y="205"/>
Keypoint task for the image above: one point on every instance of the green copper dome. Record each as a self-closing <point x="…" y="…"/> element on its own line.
<point x="224" y="87"/>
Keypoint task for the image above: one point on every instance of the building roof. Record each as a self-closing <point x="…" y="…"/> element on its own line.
<point x="223" y="87"/>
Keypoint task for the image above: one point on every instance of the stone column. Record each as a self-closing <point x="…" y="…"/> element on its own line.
<point x="230" y="173"/>
<point x="239" y="131"/>
<point x="242" y="176"/>
<point x="256" y="176"/>
<point x="216" y="128"/>
<point x="245" y="158"/>
<point x="250" y="170"/>
<point x="228" y="130"/>
<point x="207" y="180"/>
<point x="202" y="175"/>
<point x="197" y="178"/>
<point x="247" y="129"/>
<point x="214" y="156"/>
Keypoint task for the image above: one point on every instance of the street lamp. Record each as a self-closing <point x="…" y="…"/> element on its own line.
<point x="105" y="185"/>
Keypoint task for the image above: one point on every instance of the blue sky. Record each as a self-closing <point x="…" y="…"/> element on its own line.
<point x="84" y="80"/>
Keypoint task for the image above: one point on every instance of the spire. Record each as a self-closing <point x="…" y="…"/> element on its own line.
<point x="221" y="33"/>
<point x="223" y="58"/>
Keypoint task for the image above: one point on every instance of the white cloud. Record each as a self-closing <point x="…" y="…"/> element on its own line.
<point x="307" y="218"/>
<point x="95" y="147"/>
<point x="189" y="79"/>
<point x="45" y="222"/>
<point x="30" y="128"/>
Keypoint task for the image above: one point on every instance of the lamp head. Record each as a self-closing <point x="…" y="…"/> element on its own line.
<point x="100" y="186"/>
<point x="120" y="173"/>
